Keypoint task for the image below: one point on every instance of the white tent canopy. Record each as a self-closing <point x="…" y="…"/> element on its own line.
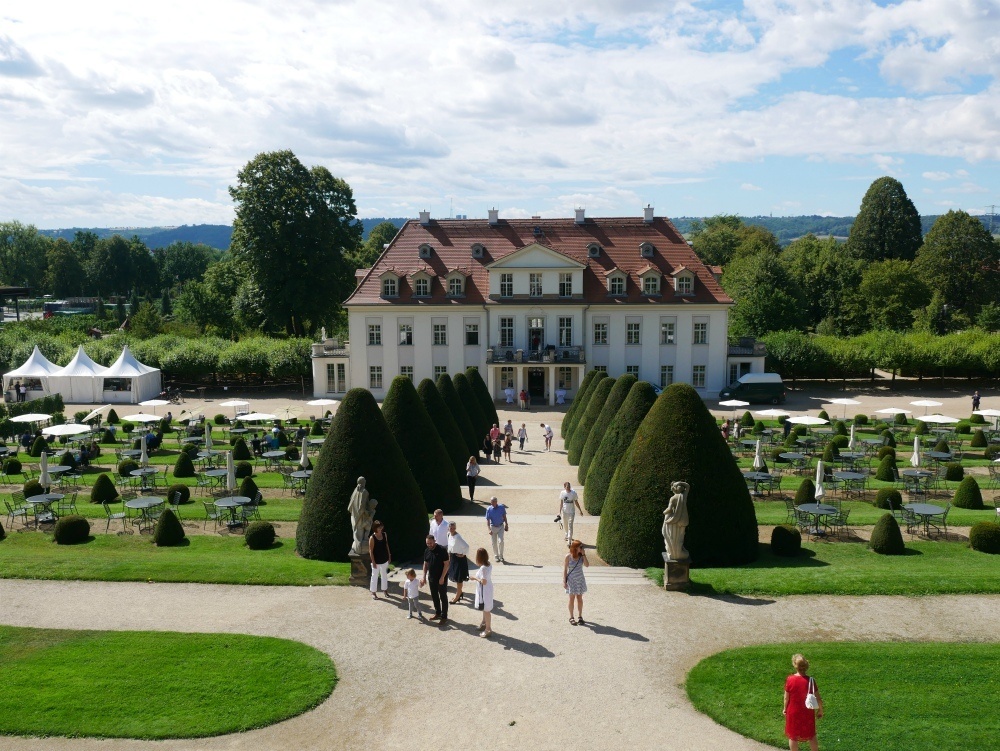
<point x="128" y="380"/>
<point x="35" y="371"/>
<point x="79" y="381"/>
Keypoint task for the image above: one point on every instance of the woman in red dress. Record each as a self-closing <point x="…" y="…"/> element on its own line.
<point x="800" y="721"/>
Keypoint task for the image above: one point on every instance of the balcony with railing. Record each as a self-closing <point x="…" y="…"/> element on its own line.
<point x="331" y="348"/>
<point x="550" y="354"/>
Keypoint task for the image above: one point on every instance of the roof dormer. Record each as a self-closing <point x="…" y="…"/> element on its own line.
<point x="593" y="250"/>
<point x="646" y="249"/>
<point x="616" y="280"/>
<point x="389" y="280"/>
<point x="420" y="280"/>
<point x="478" y="250"/>
<point x="454" y="283"/>
<point x="425" y="250"/>
<point x="683" y="280"/>
<point x="649" y="280"/>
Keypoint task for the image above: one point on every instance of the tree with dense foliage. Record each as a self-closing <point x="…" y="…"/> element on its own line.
<point x="182" y="262"/>
<point x="577" y="403"/>
<point x="64" y="275"/>
<point x="480" y="422"/>
<point x="369" y="251"/>
<point x="828" y="278"/>
<point x="765" y="297"/>
<point x="292" y="230"/>
<point x="887" y="225"/>
<point x="612" y="405"/>
<point x="444" y="423"/>
<point x="418" y="439"/>
<point x="571" y="421"/>
<point x="473" y="440"/>
<point x="595" y="404"/>
<point x="678" y="440"/>
<point x="890" y="291"/>
<point x="486" y="403"/>
<point x="716" y="238"/>
<point x="614" y="443"/>
<point x="360" y="444"/>
<point x="22" y="255"/>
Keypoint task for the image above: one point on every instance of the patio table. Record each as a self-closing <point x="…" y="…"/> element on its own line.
<point x="817" y="511"/>
<point x="850" y="480"/>
<point x="231" y="503"/>
<point x="925" y="511"/>
<point x="143" y="504"/>
<point x="144" y="473"/>
<point x="304" y="475"/>
<point x="756" y="477"/>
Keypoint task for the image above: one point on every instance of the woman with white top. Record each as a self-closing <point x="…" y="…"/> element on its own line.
<point x="522" y="435"/>
<point x="458" y="557"/>
<point x="484" y="591"/>
<point x="471" y="473"/>
<point x="569" y="502"/>
<point x="380" y="555"/>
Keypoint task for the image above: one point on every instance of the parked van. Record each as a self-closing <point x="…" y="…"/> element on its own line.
<point x="756" y="387"/>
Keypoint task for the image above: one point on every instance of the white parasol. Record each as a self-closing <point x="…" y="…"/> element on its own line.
<point x="258" y="417"/>
<point x="144" y="454"/>
<point x="154" y="403"/>
<point x="772" y="413"/>
<point x="926" y="403"/>
<point x="850" y="441"/>
<point x="758" y="459"/>
<point x="43" y="478"/>
<point x="844" y="401"/>
<point x="734" y="403"/>
<point x="234" y="403"/>
<point x="322" y="402"/>
<point x="807" y="420"/>
<point x="230" y="473"/>
<point x="141" y="417"/>
<point x="95" y="413"/>
<point x="893" y="411"/>
<point x="819" y="482"/>
<point x="70" y="428"/>
<point x="287" y="413"/>
<point x="304" y="460"/>
<point x="915" y="457"/>
<point x="31" y="417"/>
<point x="208" y="436"/>
<point x="939" y="419"/>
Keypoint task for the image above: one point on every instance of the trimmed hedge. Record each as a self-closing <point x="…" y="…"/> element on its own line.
<point x="259" y="535"/>
<point x="979" y="439"/>
<point x="886" y="451"/>
<point x="184" y="490"/>
<point x="104" y="490"/>
<point x="360" y="445"/>
<point x="942" y="446"/>
<point x="249" y="488"/>
<point x="581" y="392"/>
<point x="886" y="468"/>
<point x="241" y="452"/>
<point x="243" y="469"/>
<point x="445" y="425"/>
<point x="612" y="405"/>
<point x="168" y="531"/>
<point x="786" y="541"/>
<point x="806" y="492"/>
<point x="954" y="472"/>
<point x="968" y="494"/>
<point x="71" y="530"/>
<point x="482" y="392"/>
<point x="886" y="538"/>
<point x="38" y="446"/>
<point x="12" y="466"/>
<point x="614" y="444"/>
<point x="127" y="466"/>
<point x="585" y="424"/>
<point x="984" y="536"/>
<point x="316" y="430"/>
<point x="32" y="488"/>
<point x="678" y="440"/>
<point x="113" y="418"/>
<point x="473" y="442"/>
<point x="571" y="421"/>
<point x="747" y="420"/>
<point x="184" y="467"/>
<point x="422" y="447"/>
<point x="480" y="422"/>
<point x="889" y="437"/>
<point x="889" y="498"/>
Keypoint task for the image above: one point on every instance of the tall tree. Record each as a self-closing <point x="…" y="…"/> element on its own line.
<point x="716" y="238"/>
<point x="64" y="272"/>
<point x="826" y="276"/>
<point x="293" y="228"/>
<point x="887" y="225"/>
<point x="381" y="235"/>
<point x="22" y="254"/>
<point x="765" y="297"/>
<point x="891" y="291"/>
<point x="181" y="262"/>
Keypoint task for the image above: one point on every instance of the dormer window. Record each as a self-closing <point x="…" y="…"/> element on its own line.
<point x="390" y="285"/>
<point x="456" y="284"/>
<point x="616" y="284"/>
<point x="421" y="283"/>
<point x="651" y="285"/>
<point x="478" y="250"/>
<point x="684" y="284"/>
<point x="425" y="251"/>
<point x="646" y="250"/>
<point x="593" y="250"/>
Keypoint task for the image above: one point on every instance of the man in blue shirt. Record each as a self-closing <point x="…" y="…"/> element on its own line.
<point x="496" y="524"/>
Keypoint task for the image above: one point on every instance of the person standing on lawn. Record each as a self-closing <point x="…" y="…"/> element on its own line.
<point x="800" y="721"/>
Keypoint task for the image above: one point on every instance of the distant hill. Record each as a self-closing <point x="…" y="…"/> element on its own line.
<point x="788" y="228"/>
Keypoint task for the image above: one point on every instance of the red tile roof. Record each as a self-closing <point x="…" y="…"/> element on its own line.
<point x="452" y="240"/>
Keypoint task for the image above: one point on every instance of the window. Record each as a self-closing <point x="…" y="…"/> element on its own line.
<point x="374" y="333"/>
<point x="632" y="370"/>
<point x="535" y="285"/>
<point x="698" y="376"/>
<point x="701" y="333"/>
<point x="668" y="332"/>
<point x="506" y="285"/>
<point x="506" y="332"/>
<point x="425" y="251"/>
<point x="440" y="333"/>
<point x="565" y="285"/>
<point x="440" y="370"/>
<point x="666" y="375"/>
<point x="566" y="378"/>
<point x="651" y="285"/>
<point x="506" y="378"/>
<point x="456" y="286"/>
<point x="375" y="377"/>
<point x="632" y="333"/>
<point x="685" y="285"/>
<point x="566" y="332"/>
<point x="734" y="373"/>
<point x="341" y="377"/>
<point x="602" y="368"/>
<point x="616" y="285"/>
<point x="405" y="334"/>
<point x="472" y="333"/>
<point x="646" y="250"/>
<point x="406" y="370"/>
<point x="389" y="287"/>
<point x="600" y="333"/>
<point x="331" y="378"/>
<point x="593" y="250"/>
<point x="422" y="287"/>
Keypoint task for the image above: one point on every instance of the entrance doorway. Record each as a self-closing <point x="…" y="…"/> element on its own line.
<point x="536" y="335"/>
<point x="536" y="383"/>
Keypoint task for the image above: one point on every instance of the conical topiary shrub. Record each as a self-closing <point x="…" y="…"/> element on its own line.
<point x="107" y="436"/>
<point x="839" y="428"/>
<point x="886" y="451"/>
<point x="168" y="531"/>
<point x="360" y="445"/>
<point x="889" y="438"/>
<point x="920" y="428"/>
<point x="581" y="392"/>
<point x="112" y="417"/>
<point x="585" y="424"/>
<point x="830" y="453"/>
<point x="823" y="415"/>
<point x="248" y="488"/>
<point x="584" y="399"/>
<point x="678" y="440"/>
<point x="241" y="452"/>
<point x="480" y="422"/>
<point x="889" y="498"/>
<point x="746" y="420"/>
<point x="614" y="443"/>
<point x="758" y="427"/>
<point x="444" y="423"/>
<point x="979" y="440"/>
<point x="421" y="445"/>
<point x="954" y="472"/>
<point x="806" y="492"/>
<point x="317" y="429"/>
<point x="942" y="446"/>
<point x="968" y="494"/>
<point x="473" y="441"/>
<point x="184" y="467"/>
<point x="38" y="446"/>
<point x="612" y="405"/>
<point x="886" y="469"/>
<point x="104" y="490"/>
<point x="67" y="460"/>
<point x="886" y="538"/>
<point x="482" y="392"/>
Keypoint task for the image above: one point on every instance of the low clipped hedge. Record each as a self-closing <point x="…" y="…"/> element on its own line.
<point x="71" y="530"/>
<point x="168" y="531"/>
<point x="184" y="467"/>
<point x="184" y="490"/>
<point x="249" y="488"/>
<point x="241" y="452"/>
<point x="259" y="535"/>
<point x="984" y="536"/>
<point x="786" y="541"/>
<point x="968" y="494"/>
<point x="979" y="440"/>
<point x="886" y="467"/>
<point x="886" y="538"/>
<point x="243" y="469"/>
<point x="954" y="472"/>
<point x="12" y="466"/>
<point x="889" y="498"/>
<point x="104" y="490"/>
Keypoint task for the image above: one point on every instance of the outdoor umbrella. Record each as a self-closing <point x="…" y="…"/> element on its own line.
<point x="994" y="413"/>
<point x="845" y="401"/>
<point x="304" y="460"/>
<point x="154" y="403"/>
<point x="31" y="417"/>
<point x="287" y="413"/>
<point x="143" y="455"/>
<point x="807" y="420"/>
<point x="95" y="413"/>
<point x="940" y="419"/>
<point x="70" y="428"/>
<point x="772" y="413"/>
<point x="43" y="478"/>
<point x="926" y="403"/>
<point x="322" y="402"/>
<point x="819" y="482"/>
<point x="758" y="460"/>
<point x="142" y="417"/>
<point x="258" y="417"/>
<point x="230" y="473"/>
<point x="234" y="403"/>
<point x="850" y="441"/>
<point x="893" y="411"/>
<point x="208" y="437"/>
<point x="734" y="403"/>
<point x="915" y="458"/>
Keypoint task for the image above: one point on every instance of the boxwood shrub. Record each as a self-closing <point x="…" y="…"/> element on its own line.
<point x="860" y="420"/>
<point x="984" y="536"/>
<point x="38" y="446"/>
<point x="979" y="440"/>
<point x="184" y="467"/>
<point x="249" y="488"/>
<point x="886" y="451"/>
<point x="184" y="490"/>
<point x="747" y="420"/>
<point x="889" y="498"/>
<point x="968" y="494"/>
<point x="886" y="538"/>
<point x="168" y="531"/>
<point x="954" y="472"/>
<point x="786" y="541"/>
<point x="12" y="466"/>
<point x="104" y="490"/>
<point x="71" y="530"/>
<point x="243" y="469"/>
<point x="259" y="535"/>
<point x="32" y="488"/>
<point x="885" y="469"/>
<point x="241" y="452"/>
<point x="127" y="466"/>
<point x="889" y="437"/>
<point x="806" y="492"/>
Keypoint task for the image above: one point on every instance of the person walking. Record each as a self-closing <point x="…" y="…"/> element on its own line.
<point x="439" y="528"/>
<point x="471" y="473"/>
<point x="436" y="574"/>
<point x="574" y="580"/>
<point x="378" y="553"/>
<point x="458" y="556"/>
<point x="487" y="447"/>
<point x="496" y="525"/>
<point x="525" y="402"/>
<point x="547" y="434"/>
<point x="507" y="446"/>
<point x="22" y="392"/>
<point x="508" y="429"/>
<point x="484" y="591"/>
<point x="497" y="450"/>
<point x="975" y="401"/>
<point x="569" y="502"/>
<point x="522" y="435"/>
<point x="494" y="432"/>
<point x="800" y="720"/>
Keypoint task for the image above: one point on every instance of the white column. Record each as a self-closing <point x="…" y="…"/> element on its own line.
<point x="551" y="383"/>
<point x="490" y="379"/>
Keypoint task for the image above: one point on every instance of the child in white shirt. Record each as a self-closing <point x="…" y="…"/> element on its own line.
<point x="411" y="588"/>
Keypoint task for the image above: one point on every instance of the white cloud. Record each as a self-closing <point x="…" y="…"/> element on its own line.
<point x="936" y="176"/>
<point x="749" y="186"/>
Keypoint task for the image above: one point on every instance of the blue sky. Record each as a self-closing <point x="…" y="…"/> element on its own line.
<point x="119" y="114"/>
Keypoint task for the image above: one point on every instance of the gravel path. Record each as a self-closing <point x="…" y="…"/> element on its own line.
<point x="539" y="683"/>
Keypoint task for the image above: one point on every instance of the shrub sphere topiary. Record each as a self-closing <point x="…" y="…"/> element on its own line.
<point x="616" y="398"/>
<point x="219" y="419"/>
<point x="954" y="472"/>
<point x="977" y="419"/>
<point x="786" y="541"/>
<point x="886" y="467"/>
<point x="127" y="466"/>
<point x="168" y="531"/>
<point x="860" y="420"/>
<point x="243" y="469"/>
<point x="984" y="536"/>
<point x="259" y="535"/>
<point x="886" y="538"/>
<point x="104" y="490"/>
<point x="184" y="467"/>
<point x="184" y="490"/>
<point x="241" y="452"/>
<point x="889" y="498"/>
<point x="840" y="441"/>
<point x="12" y="466"/>
<point x="979" y="440"/>
<point x="32" y="488"/>
<point x="598" y="396"/>
<point x="991" y="452"/>
<point x="292" y="452"/>
<point x="127" y="428"/>
<point x="71" y="530"/>
<point x="968" y="494"/>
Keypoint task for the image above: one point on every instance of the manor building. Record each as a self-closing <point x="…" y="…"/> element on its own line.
<point x="534" y="304"/>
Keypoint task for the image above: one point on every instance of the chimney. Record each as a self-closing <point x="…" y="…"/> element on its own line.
<point x="425" y="218"/>
<point x="494" y="216"/>
<point x="580" y="218"/>
<point x="647" y="214"/>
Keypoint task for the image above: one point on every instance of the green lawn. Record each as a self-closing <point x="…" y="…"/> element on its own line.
<point x="276" y="509"/>
<point x="864" y="513"/>
<point x="153" y="685"/>
<point x="849" y="568"/>
<point x="207" y="559"/>
<point x="885" y="696"/>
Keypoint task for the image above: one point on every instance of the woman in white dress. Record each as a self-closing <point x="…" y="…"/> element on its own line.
<point x="484" y="591"/>
<point x="458" y="566"/>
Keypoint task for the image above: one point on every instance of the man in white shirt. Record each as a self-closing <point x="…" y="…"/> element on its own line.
<point x="439" y="528"/>
<point x="547" y="434"/>
<point x="568" y="504"/>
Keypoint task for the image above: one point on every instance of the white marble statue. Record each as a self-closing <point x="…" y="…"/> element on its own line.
<point x="675" y="522"/>
<point x="362" y="509"/>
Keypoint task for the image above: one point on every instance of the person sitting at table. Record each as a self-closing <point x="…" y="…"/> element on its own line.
<point x="300" y="433"/>
<point x="26" y="440"/>
<point x="272" y="440"/>
<point x="85" y="455"/>
<point x="256" y="444"/>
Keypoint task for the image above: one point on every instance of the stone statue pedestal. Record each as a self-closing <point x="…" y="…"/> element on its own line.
<point x="361" y="569"/>
<point x="676" y="574"/>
